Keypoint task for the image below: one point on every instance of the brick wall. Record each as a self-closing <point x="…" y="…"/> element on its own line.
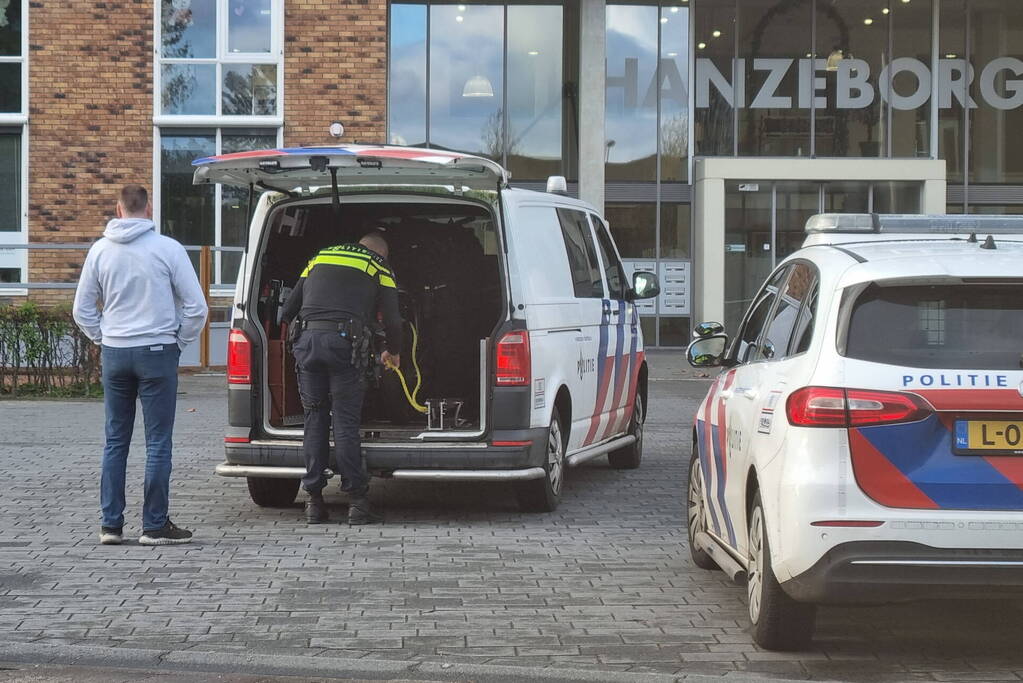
<point x="91" y="111"/>
<point x="335" y="69"/>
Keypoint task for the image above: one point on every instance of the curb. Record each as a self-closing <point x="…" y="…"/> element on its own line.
<point x="332" y="667"/>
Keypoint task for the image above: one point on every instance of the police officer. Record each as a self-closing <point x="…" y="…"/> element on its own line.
<point x="338" y="295"/>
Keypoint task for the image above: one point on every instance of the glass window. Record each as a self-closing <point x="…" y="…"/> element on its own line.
<point x="648" y="324"/>
<point x="634" y="227"/>
<point x="614" y="275"/>
<point x="234" y="201"/>
<point x="673" y="91"/>
<point x="582" y="258"/>
<point x="852" y="38"/>
<point x="186" y="210"/>
<point x="807" y="317"/>
<point x="10" y="180"/>
<point x="406" y="106"/>
<point x="996" y="209"/>
<point x="778" y="334"/>
<point x="911" y="40"/>
<point x="534" y="91"/>
<point x="897" y="197"/>
<point x="774" y="121"/>
<point x="936" y="326"/>
<point x="11" y="57"/>
<point x="197" y="34"/>
<point x="248" y="26"/>
<point x="631" y="93"/>
<point x="996" y="148"/>
<point x="10" y="275"/>
<point x="466" y="86"/>
<point x="953" y="77"/>
<point x="676" y="230"/>
<point x="674" y="331"/>
<point x="715" y="81"/>
<point x="746" y="341"/>
<point x="846" y="197"/>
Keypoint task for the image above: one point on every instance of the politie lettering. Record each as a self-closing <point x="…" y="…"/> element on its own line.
<point x="956" y="380"/>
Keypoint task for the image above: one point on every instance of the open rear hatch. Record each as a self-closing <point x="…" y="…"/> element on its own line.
<point x="444" y="249"/>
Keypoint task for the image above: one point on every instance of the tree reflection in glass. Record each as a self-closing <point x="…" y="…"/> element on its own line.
<point x="189" y="88"/>
<point x="189" y="28"/>
<point x="250" y="90"/>
<point x="248" y="26"/>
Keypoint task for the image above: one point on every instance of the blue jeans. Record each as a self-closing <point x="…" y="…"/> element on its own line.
<point x="149" y="373"/>
<point x="332" y="391"/>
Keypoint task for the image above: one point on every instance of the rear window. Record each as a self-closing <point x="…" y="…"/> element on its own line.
<point x="956" y="326"/>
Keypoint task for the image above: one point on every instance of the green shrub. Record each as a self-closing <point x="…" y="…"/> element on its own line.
<point x="43" y="353"/>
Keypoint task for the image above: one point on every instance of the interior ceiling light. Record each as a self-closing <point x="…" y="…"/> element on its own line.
<point x="701" y="45"/>
<point x="716" y="33"/>
<point x="533" y="53"/>
<point x="674" y="9"/>
<point x="461" y="8"/>
<point x="664" y="20"/>
<point x="673" y="54"/>
<point x="833" y="59"/>
<point x="459" y="18"/>
<point x="478" y="86"/>
<point x="868" y="21"/>
<point x="885" y="11"/>
<point x="951" y="55"/>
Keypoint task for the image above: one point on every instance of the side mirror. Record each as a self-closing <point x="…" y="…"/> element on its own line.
<point x="644" y="285"/>
<point x="706" y="352"/>
<point x="707" y="330"/>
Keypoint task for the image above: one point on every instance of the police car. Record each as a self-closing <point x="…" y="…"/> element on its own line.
<point x="523" y="351"/>
<point x="864" y="441"/>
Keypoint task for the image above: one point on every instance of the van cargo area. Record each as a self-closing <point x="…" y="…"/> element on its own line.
<point x="444" y="257"/>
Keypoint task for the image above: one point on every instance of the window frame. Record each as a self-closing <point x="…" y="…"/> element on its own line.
<point x="221" y="59"/>
<point x="765" y="291"/>
<point x="600" y="230"/>
<point x="563" y="214"/>
<point x="20" y="120"/>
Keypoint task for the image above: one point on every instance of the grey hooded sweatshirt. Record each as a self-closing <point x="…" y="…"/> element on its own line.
<point x="146" y="285"/>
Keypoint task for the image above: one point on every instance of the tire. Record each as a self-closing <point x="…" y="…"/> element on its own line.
<point x="696" y="513"/>
<point x="267" y="492"/>
<point x="779" y="622"/>
<point x="629" y="457"/>
<point x="544" y="494"/>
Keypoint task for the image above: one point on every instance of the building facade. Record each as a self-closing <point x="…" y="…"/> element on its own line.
<point x="708" y="130"/>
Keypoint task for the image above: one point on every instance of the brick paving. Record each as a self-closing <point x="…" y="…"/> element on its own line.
<point x="456" y="575"/>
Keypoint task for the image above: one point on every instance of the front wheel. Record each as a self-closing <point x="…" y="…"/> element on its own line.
<point x="270" y="492"/>
<point x="779" y="622"/>
<point x="544" y="494"/>
<point x="629" y="457"/>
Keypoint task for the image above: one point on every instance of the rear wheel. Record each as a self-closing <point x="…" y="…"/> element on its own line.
<point x="697" y="513"/>
<point x="544" y="494"/>
<point x="629" y="457"/>
<point x="779" y="622"/>
<point x="270" y="492"/>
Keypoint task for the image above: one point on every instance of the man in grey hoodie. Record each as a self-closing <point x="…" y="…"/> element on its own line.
<point x="152" y="308"/>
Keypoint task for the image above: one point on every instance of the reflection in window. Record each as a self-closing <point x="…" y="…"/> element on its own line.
<point x="676" y="230"/>
<point x="466" y="84"/>
<point x="634" y="227"/>
<point x="406" y="104"/>
<point x="896" y="197"/>
<point x="188" y="28"/>
<point x="234" y="201"/>
<point x="10" y="180"/>
<point x="996" y="147"/>
<point x="856" y="52"/>
<point x="772" y="38"/>
<point x="186" y="210"/>
<point x="911" y="39"/>
<point x="189" y="88"/>
<point x="674" y="332"/>
<point x="534" y="90"/>
<point x="10" y="48"/>
<point x="953" y="75"/>
<point x="248" y="26"/>
<point x="631" y="93"/>
<point x="714" y="50"/>
<point x="582" y="257"/>
<point x="674" y="93"/>
<point x="250" y="89"/>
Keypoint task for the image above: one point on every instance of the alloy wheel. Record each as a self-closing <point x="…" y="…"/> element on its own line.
<point x="555" y="457"/>
<point x="697" y="521"/>
<point x="755" y="583"/>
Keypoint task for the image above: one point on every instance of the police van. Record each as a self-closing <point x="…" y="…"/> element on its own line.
<point x="523" y="352"/>
<point x="864" y="441"/>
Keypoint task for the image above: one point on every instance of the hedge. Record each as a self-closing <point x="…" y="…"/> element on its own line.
<point x="43" y="353"/>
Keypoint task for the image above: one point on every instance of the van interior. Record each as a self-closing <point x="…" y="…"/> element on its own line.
<point x="444" y="257"/>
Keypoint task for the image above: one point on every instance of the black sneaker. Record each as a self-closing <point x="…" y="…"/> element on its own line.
<point x="168" y="535"/>
<point x="110" y="535"/>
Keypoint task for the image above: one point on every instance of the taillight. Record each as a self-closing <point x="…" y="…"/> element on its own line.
<point x="513" y="359"/>
<point x="239" y="358"/>
<point x="833" y="407"/>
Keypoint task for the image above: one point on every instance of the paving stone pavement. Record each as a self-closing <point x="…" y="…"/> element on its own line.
<point x="456" y="575"/>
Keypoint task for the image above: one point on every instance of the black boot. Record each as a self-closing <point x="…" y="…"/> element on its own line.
<point x="316" y="508"/>
<point x="359" y="511"/>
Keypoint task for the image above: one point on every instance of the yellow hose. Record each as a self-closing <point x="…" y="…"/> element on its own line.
<point x="419" y="376"/>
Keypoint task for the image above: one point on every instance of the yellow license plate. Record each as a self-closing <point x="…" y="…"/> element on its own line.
<point x="989" y="436"/>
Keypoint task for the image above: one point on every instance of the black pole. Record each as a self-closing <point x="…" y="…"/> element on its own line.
<point x="336" y="202"/>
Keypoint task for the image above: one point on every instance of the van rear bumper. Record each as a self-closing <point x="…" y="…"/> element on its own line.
<point x="521" y="458"/>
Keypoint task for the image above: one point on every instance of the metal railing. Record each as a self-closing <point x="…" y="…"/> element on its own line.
<point x="205" y="274"/>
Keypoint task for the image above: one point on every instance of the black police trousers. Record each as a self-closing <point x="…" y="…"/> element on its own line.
<point x="332" y="390"/>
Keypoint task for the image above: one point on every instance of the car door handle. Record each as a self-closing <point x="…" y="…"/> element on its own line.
<point x="746" y="393"/>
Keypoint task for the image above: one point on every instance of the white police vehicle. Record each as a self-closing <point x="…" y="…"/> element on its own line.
<point x="523" y="352"/>
<point x="864" y="442"/>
